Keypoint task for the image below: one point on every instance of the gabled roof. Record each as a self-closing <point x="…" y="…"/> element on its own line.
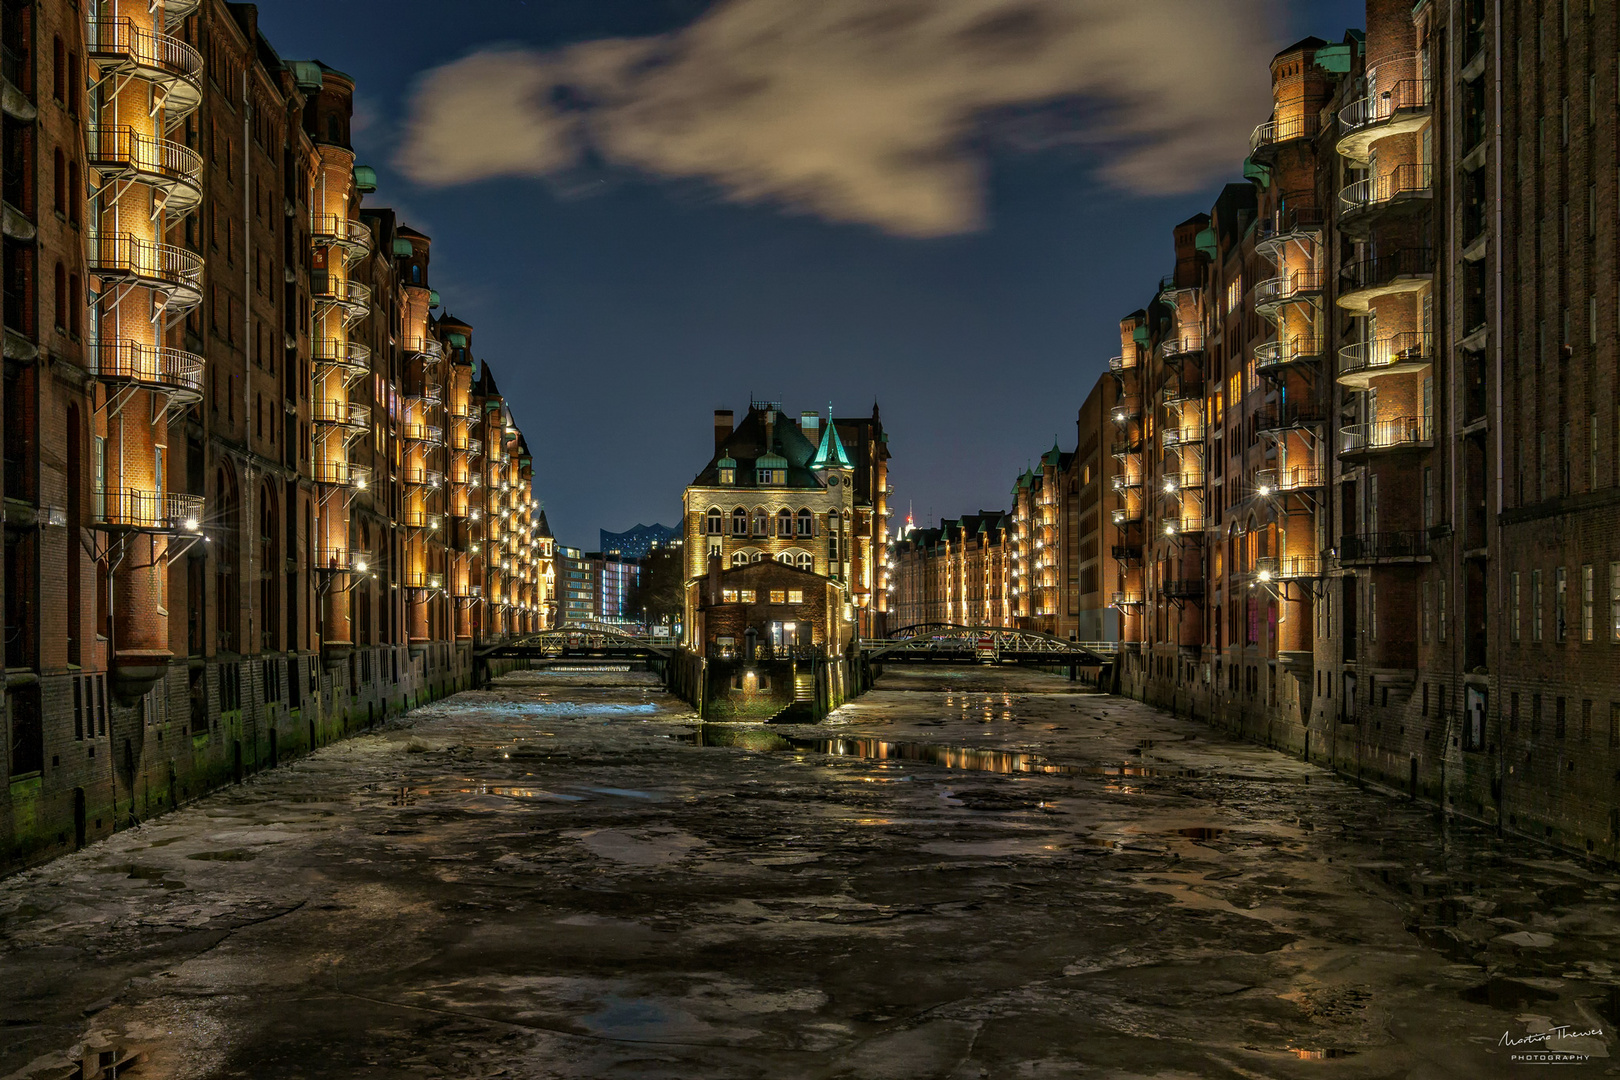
<point x="831" y="455"/>
<point x="746" y="448"/>
<point x="542" y="527"/>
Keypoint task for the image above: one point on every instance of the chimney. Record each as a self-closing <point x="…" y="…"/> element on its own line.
<point x="810" y="424"/>
<point x="770" y="429"/>
<point x="722" y="427"/>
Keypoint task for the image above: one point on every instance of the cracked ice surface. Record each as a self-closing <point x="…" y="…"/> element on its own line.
<point x="555" y="879"/>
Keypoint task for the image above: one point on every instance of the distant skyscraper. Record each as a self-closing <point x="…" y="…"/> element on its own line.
<point x="637" y="542"/>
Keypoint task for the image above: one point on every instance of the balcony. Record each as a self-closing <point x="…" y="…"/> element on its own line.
<point x="1179" y="392"/>
<point x="430" y="349"/>
<point x="1382" y="436"/>
<point x="1364" y="203"/>
<point x="1397" y="354"/>
<point x="1183" y="589"/>
<point x="1396" y="110"/>
<point x="343" y="414"/>
<point x="422" y="579"/>
<point x="1287" y="568"/>
<point x="121" y="47"/>
<point x="163" y="268"/>
<point x="422" y="433"/>
<point x="428" y="478"/>
<point x="1126" y="481"/>
<point x="351" y="296"/>
<point x="340" y="560"/>
<point x="1289" y="416"/>
<point x="349" y="358"/>
<point x="1273" y="294"/>
<point x="1121" y="364"/>
<point x="417" y="517"/>
<point x="1400" y="271"/>
<point x="431" y="397"/>
<point x="349" y="235"/>
<point x="1267" y="137"/>
<point x="1291" y="225"/>
<point x="1122" y="599"/>
<point x="174" y="372"/>
<point x="1185" y="342"/>
<point x="1409" y="545"/>
<point x="1131" y="515"/>
<point x="1186" y="527"/>
<point x="1274" y="356"/>
<point x="176" y="11"/>
<point x="341" y="474"/>
<point x="1182" y="435"/>
<point x="129" y="510"/>
<point x="469" y="446"/>
<point x="172" y="168"/>
<point x="1126" y="410"/>
<point x="1174" y="483"/>
<point x="1289" y="478"/>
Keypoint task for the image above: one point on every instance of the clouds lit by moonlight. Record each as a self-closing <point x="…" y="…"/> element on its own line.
<point x="860" y="111"/>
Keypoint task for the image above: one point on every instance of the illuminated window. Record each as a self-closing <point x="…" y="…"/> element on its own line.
<point x="778" y="596"/>
<point x="739" y="522"/>
<point x="745" y="596"/>
<point x="728" y="476"/>
<point x="795" y="596"/>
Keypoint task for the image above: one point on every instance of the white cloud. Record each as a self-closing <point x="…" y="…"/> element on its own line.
<point x="860" y="110"/>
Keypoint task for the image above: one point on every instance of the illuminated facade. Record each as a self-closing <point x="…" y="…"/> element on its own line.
<point x="228" y="519"/>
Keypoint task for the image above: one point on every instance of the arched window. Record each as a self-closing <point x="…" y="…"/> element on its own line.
<point x="75" y="192"/>
<point x="785" y="557"/>
<point x="759" y="556"/>
<point x="805" y="562"/>
<point x="59" y="71"/>
<point x="739" y="522"/>
<point x="60" y="282"/>
<point x="739" y="558"/>
<point x="416" y="274"/>
<point x="59" y="182"/>
<point x="75" y="305"/>
<point x="717" y="521"/>
<point x="784" y="523"/>
<point x="807" y="523"/>
<point x="762" y="522"/>
<point x="334" y="129"/>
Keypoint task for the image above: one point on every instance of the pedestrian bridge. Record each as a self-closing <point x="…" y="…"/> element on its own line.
<point x="951" y="642"/>
<point x="579" y="641"/>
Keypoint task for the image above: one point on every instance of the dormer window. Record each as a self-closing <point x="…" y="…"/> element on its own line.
<point x="769" y="476"/>
<point x="727" y="467"/>
<point x="728" y="476"/>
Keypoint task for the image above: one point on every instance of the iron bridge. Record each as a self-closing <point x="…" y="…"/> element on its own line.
<point x="578" y="641"/>
<point x="953" y="642"/>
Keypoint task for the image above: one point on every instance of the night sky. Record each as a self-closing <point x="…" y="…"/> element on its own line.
<point x="651" y="209"/>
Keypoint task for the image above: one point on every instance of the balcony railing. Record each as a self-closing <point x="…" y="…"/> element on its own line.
<point x="146" y="511"/>
<point x="172" y="371"/>
<point x="172" y="167"/>
<point x="1174" y="483"/>
<point x="1290" y="223"/>
<point x="1389" y="110"/>
<point x="417" y="517"/>
<point x="1285" y="129"/>
<point x="350" y="234"/>
<point x="432" y="395"/>
<point x="1287" y="568"/>
<point x="430" y="478"/>
<point x="341" y="560"/>
<point x="351" y="357"/>
<point x="341" y="474"/>
<point x="1411" y="180"/>
<point x="340" y="413"/>
<point x="1127" y="480"/>
<point x="1286" y="288"/>
<point x="1127" y="446"/>
<point x="1180" y="391"/>
<point x="161" y="267"/>
<point x="1408" y="351"/>
<point x="1183" y="589"/>
<point x="423" y="433"/>
<point x="470" y="446"/>
<point x="1182" y="435"/>
<point x="1182" y="342"/>
<point x="175" y="11"/>
<point x="1123" y="599"/>
<point x="350" y="295"/>
<point x="432" y="348"/>
<point x="1293" y="414"/>
<point x="1375" y="547"/>
<point x="1280" y="353"/>
<point x="125" y="46"/>
<point x="1401" y="433"/>
<point x="1290" y="478"/>
<point x="1119" y="364"/>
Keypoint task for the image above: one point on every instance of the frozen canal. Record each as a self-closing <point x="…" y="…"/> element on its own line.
<point x="556" y="879"/>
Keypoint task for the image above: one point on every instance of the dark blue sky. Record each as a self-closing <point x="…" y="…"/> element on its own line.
<point x="621" y="308"/>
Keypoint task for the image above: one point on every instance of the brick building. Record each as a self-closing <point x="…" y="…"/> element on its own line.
<point x="258" y="487"/>
<point x="1366" y="504"/>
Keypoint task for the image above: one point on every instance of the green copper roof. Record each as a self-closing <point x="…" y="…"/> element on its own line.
<point x="727" y="462"/>
<point x="1052" y="456"/>
<point x="831" y="455"/>
<point x="365" y="178"/>
<point x="771" y="461"/>
<point x="1253" y="170"/>
<point x="1206" y="242"/>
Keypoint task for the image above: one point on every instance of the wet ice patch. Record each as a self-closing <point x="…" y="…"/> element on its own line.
<point x="651" y="848"/>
